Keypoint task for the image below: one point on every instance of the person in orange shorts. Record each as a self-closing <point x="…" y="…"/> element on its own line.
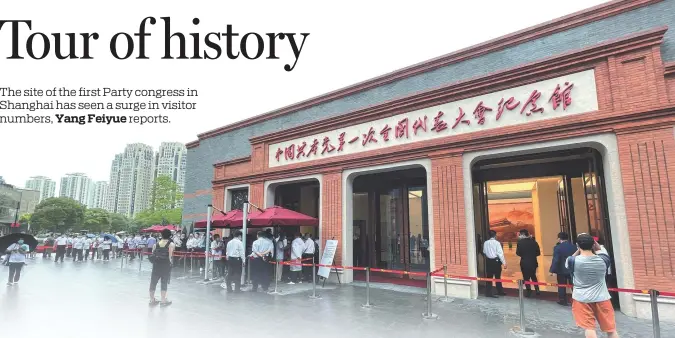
<point x="592" y="302"/>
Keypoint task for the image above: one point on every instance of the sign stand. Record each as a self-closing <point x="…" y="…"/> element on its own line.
<point x="327" y="260"/>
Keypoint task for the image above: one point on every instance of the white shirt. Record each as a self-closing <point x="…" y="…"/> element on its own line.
<point x="493" y="249"/>
<point x="61" y="241"/>
<point x="281" y="245"/>
<point x="69" y="241"/>
<point x="87" y="243"/>
<point x="309" y="246"/>
<point x="78" y="243"/>
<point x="261" y="247"/>
<point x="17" y="257"/>
<point x="190" y="243"/>
<point x="297" y="248"/>
<point x="106" y="244"/>
<point x="235" y="248"/>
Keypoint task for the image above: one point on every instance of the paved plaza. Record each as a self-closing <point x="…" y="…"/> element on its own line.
<point x="99" y="299"/>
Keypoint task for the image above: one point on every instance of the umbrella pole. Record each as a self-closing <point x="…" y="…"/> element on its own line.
<point x="209" y="209"/>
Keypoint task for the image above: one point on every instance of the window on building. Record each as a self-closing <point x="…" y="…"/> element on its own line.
<point x="239" y="196"/>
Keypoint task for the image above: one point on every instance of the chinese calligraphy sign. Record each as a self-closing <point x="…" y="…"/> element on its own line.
<point x="562" y="96"/>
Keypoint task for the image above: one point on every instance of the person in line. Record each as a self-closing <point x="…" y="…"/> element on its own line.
<point x="528" y="251"/>
<point x="120" y="248"/>
<point x="218" y="261"/>
<point x="106" y="245"/>
<point x="280" y="243"/>
<point x="297" y="249"/>
<point x="562" y="250"/>
<point x="131" y="243"/>
<point x="201" y="248"/>
<point x="141" y="245"/>
<point x="49" y="244"/>
<point x="494" y="254"/>
<point x="308" y="252"/>
<point x="69" y="245"/>
<point x="78" y="247"/>
<point x="89" y="246"/>
<point x="152" y="241"/>
<point x="235" y="261"/>
<point x="162" y="254"/>
<point x="592" y="301"/>
<point x="17" y="258"/>
<point x="259" y="257"/>
<point x="61" y="244"/>
<point x="99" y="248"/>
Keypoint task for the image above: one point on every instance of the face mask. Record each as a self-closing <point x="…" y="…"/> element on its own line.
<point x="20" y="241"/>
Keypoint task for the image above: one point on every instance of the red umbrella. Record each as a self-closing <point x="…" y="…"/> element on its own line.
<point x="236" y="219"/>
<point x="283" y="217"/>
<point x="218" y="220"/>
<point x="15" y="225"/>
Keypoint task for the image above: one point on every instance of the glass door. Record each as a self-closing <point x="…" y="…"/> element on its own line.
<point x="391" y="229"/>
<point x="564" y="206"/>
<point x="416" y="241"/>
<point x="481" y="216"/>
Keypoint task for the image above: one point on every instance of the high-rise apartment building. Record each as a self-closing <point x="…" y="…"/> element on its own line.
<point x="131" y="177"/>
<point x="99" y="197"/>
<point x="76" y="186"/>
<point x="44" y="185"/>
<point x="171" y="160"/>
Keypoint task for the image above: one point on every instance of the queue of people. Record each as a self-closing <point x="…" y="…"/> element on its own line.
<point x="585" y="266"/>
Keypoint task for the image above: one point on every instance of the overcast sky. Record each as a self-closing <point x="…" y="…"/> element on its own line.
<point x="349" y="42"/>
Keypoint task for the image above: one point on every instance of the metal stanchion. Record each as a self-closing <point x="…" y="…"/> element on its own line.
<point x="276" y="279"/>
<point x="192" y="263"/>
<point x="445" y="286"/>
<point x="654" y="300"/>
<point x="122" y="262"/>
<point x="367" y="305"/>
<point x="140" y="260"/>
<point x="248" y="272"/>
<point x="184" y="264"/>
<point x="314" y="296"/>
<point x="429" y="314"/>
<point x="522" y="330"/>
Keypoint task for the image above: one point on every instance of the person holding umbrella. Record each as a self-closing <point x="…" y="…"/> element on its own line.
<point x="17" y="258"/>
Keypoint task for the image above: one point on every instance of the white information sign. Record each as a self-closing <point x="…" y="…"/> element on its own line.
<point x="327" y="258"/>
<point x="562" y="96"/>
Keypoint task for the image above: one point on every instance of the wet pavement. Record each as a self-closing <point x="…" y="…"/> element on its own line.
<point x="100" y="299"/>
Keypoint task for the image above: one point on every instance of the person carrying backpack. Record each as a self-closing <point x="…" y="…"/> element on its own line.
<point x="161" y="260"/>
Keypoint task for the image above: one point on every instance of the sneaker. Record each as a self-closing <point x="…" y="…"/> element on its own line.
<point x="153" y="302"/>
<point x="165" y="303"/>
<point x="16" y="283"/>
<point x="9" y="283"/>
<point x="291" y="283"/>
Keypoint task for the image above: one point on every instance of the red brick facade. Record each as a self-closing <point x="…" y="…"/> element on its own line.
<point x="636" y="100"/>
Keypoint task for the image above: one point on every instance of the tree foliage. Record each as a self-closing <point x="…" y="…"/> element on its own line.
<point x="149" y="218"/>
<point x="118" y="222"/>
<point x="58" y="214"/>
<point x="166" y="194"/>
<point x="97" y="220"/>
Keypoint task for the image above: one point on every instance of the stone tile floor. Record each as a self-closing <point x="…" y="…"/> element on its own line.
<point x="100" y="299"/>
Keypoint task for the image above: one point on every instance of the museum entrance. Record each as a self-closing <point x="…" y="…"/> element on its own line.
<point x="544" y="193"/>
<point x="391" y="226"/>
<point x="302" y="197"/>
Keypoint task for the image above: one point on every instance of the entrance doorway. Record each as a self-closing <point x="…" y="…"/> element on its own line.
<point x="544" y="193"/>
<point x="391" y="225"/>
<point x="302" y="197"/>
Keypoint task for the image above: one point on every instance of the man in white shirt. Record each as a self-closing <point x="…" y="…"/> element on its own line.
<point x="61" y="244"/>
<point x="131" y="242"/>
<point x="494" y="253"/>
<point x="69" y="245"/>
<point x="235" y="260"/>
<point x="280" y="244"/>
<point x="78" y="246"/>
<point x="88" y="246"/>
<point x="308" y="252"/>
<point x="260" y="251"/>
<point x="297" y="248"/>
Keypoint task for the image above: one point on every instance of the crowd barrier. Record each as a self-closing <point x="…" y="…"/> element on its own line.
<point x="440" y="272"/>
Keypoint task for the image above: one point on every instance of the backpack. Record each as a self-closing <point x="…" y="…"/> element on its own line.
<point x="160" y="254"/>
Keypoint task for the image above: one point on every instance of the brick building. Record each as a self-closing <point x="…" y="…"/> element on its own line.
<point x="566" y="126"/>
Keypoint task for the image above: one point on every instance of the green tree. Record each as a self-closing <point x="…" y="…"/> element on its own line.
<point x="24" y="220"/>
<point x="118" y="222"/>
<point x="97" y="220"/>
<point x="165" y="194"/>
<point x="59" y="214"/>
<point x="149" y="217"/>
